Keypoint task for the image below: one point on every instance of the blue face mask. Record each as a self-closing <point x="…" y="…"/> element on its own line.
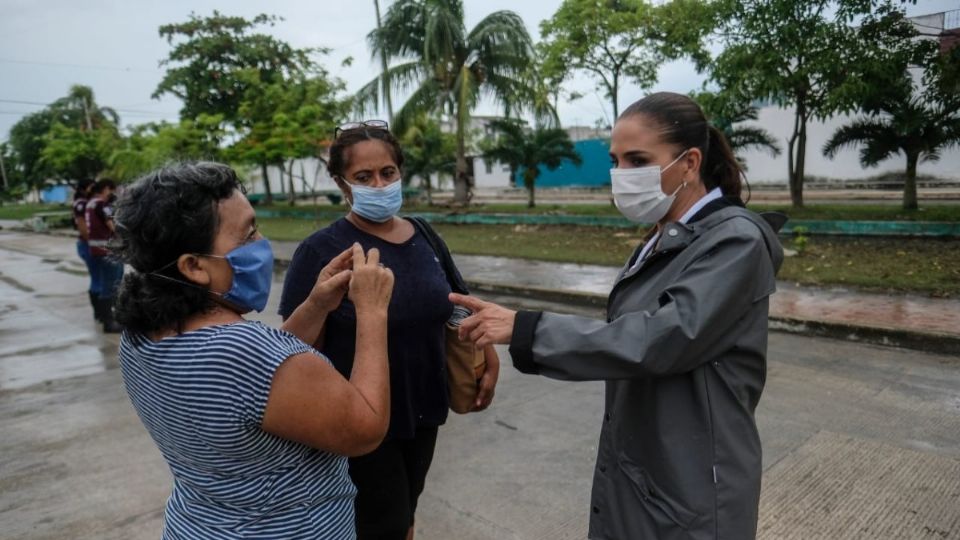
<point x="377" y="204"/>
<point x="252" y="266"/>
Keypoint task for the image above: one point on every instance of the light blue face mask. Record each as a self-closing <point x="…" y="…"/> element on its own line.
<point x="252" y="266"/>
<point x="377" y="204"/>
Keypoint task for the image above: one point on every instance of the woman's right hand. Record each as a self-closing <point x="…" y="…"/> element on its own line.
<point x="371" y="284"/>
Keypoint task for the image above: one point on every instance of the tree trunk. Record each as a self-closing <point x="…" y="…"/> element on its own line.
<point x="267" y="194"/>
<point x="910" y="186"/>
<point x="385" y="75"/>
<point x="796" y="154"/>
<point x="796" y="193"/>
<point x="461" y="182"/>
<point x="293" y="192"/>
<point x="530" y="180"/>
<point x="613" y="97"/>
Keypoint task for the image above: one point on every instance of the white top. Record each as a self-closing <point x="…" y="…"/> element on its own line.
<point x="713" y="195"/>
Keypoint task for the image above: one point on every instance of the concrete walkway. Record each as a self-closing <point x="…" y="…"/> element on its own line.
<point x="931" y="324"/>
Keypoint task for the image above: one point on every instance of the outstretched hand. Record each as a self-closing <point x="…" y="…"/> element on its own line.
<point x="489" y="323"/>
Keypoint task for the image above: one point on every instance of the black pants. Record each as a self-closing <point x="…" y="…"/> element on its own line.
<point x="389" y="481"/>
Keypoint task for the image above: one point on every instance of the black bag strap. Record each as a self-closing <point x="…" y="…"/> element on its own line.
<point x="457" y="284"/>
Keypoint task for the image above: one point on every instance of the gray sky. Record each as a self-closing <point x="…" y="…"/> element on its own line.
<point x="113" y="46"/>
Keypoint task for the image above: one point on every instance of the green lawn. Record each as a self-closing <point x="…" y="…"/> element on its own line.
<point x="918" y="265"/>
<point x="839" y="212"/>
<point x="915" y="265"/>
<point x="24" y="211"/>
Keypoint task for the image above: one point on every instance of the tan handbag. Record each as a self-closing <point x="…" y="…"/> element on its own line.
<point x="465" y="365"/>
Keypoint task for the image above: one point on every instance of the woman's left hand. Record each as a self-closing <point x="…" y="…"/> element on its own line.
<point x="333" y="281"/>
<point x="489" y="323"/>
<point x="488" y="382"/>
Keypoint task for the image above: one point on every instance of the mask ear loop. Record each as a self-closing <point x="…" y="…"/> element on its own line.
<point x="156" y="274"/>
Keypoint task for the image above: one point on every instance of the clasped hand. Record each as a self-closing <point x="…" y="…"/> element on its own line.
<point x="368" y="283"/>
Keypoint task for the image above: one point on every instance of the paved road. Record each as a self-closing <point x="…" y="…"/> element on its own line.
<point x="859" y="441"/>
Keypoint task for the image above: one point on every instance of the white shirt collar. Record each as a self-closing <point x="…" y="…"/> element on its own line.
<point x="713" y="195"/>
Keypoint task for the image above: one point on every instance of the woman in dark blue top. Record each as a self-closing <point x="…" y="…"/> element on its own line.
<point x="365" y="161"/>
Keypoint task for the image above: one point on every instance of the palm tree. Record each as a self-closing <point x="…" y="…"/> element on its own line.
<point x="526" y="152"/>
<point x="427" y="150"/>
<point x="446" y="69"/>
<point x="726" y="112"/>
<point x="916" y="126"/>
<point x="79" y="109"/>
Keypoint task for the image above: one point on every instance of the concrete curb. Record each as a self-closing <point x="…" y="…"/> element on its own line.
<point x="933" y="342"/>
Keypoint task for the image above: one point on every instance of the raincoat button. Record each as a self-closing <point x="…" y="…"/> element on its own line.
<point x="603" y="468"/>
<point x="606" y="417"/>
<point x="596" y="510"/>
<point x="672" y="232"/>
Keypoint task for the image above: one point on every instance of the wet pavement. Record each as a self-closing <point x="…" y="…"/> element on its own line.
<point x="859" y="441"/>
<point x="821" y="304"/>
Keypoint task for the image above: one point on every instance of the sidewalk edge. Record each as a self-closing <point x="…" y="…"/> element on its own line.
<point x="932" y="342"/>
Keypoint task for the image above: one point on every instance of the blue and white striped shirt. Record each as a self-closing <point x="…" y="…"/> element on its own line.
<point x="202" y="395"/>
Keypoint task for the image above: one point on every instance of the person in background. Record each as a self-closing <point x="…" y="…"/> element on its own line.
<point x="252" y="421"/>
<point x="366" y="162"/>
<point x="80" y="197"/>
<point x="683" y="349"/>
<point x="98" y="216"/>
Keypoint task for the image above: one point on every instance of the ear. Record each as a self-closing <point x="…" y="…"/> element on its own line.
<point x="693" y="160"/>
<point x="194" y="269"/>
<point x="344" y="188"/>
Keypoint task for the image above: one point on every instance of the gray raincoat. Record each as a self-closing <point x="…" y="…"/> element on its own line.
<point x="683" y="354"/>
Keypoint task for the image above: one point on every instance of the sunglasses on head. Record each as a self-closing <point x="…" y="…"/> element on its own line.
<point x="376" y="124"/>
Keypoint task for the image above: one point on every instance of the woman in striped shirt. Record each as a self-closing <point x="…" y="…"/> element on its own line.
<point x="253" y="422"/>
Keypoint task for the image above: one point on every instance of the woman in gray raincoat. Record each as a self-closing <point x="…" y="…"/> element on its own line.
<point x="683" y="348"/>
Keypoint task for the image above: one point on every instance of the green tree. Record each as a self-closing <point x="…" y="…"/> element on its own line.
<point x="618" y="41"/>
<point x="529" y="150"/>
<point x="818" y="57"/>
<point x="427" y="150"/>
<point x="210" y="63"/>
<point x="447" y="69"/>
<point x="71" y="154"/>
<point x="728" y="115"/>
<point x="27" y="141"/>
<point x="905" y="118"/>
<point x="150" y="146"/>
<point x="286" y="120"/>
<point x="77" y="114"/>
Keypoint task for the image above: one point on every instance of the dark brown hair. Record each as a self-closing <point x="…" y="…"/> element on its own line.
<point x="682" y="122"/>
<point x="350" y="137"/>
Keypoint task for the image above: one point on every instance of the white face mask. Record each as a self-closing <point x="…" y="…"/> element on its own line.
<point x="638" y="195"/>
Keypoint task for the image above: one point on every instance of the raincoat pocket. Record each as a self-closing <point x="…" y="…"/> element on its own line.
<point x="652" y="496"/>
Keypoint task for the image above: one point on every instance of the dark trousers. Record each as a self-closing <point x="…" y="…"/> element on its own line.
<point x="389" y="481"/>
<point x="109" y="273"/>
<point x="83" y="250"/>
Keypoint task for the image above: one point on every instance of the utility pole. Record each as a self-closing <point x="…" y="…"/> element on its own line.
<point x="384" y="78"/>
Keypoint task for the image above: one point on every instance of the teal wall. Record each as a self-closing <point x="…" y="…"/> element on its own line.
<point x="593" y="172"/>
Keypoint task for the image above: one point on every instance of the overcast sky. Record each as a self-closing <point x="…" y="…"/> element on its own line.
<point x="113" y="46"/>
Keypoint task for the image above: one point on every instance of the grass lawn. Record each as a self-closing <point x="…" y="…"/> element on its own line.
<point x="911" y="265"/>
<point x="24" y="211"/>
<point x="839" y="212"/>
<point x="917" y="265"/>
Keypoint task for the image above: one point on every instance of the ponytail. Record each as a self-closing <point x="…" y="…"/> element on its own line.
<point x="683" y="124"/>
<point x="720" y="167"/>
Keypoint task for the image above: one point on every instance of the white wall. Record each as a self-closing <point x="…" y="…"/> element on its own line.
<point x="316" y="175"/>
<point x="762" y="167"/>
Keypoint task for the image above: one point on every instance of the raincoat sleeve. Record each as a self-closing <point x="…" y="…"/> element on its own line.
<point x="696" y="311"/>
